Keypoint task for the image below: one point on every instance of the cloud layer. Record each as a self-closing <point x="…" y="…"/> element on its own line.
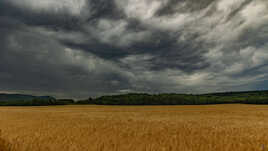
<point x="81" y="48"/>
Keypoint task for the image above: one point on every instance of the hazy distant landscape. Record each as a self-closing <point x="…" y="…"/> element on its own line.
<point x="249" y="97"/>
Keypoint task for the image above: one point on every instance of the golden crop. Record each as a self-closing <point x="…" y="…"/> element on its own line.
<point x="135" y="128"/>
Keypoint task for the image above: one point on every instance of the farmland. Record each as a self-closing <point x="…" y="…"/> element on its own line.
<point x="223" y="127"/>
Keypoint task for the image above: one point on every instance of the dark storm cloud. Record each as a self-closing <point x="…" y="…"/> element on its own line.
<point x="77" y="48"/>
<point x="63" y="20"/>
<point x="46" y="69"/>
<point x="104" y="9"/>
<point x="171" y="6"/>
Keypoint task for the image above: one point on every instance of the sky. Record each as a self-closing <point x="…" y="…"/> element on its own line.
<point x="82" y="48"/>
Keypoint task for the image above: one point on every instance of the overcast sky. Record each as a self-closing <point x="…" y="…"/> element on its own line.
<point x="81" y="48"/>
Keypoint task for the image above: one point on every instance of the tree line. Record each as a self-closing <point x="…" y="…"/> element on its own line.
<point x="253" y="97"/>
<point x="179" y="99"/>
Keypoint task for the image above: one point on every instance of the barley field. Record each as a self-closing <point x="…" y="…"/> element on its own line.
<point x="135" y="128"/>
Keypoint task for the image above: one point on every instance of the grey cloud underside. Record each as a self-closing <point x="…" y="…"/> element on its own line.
<point x="77" y="48"/>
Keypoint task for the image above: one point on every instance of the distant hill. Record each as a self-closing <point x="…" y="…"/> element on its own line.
<point x="242" y="93"/>
<point x="18" y="97"/>
<point x="249" y="97"/>
<point x="25" y="100"/>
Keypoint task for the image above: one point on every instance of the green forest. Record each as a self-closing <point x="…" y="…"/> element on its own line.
<point x="254" y="97"/>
